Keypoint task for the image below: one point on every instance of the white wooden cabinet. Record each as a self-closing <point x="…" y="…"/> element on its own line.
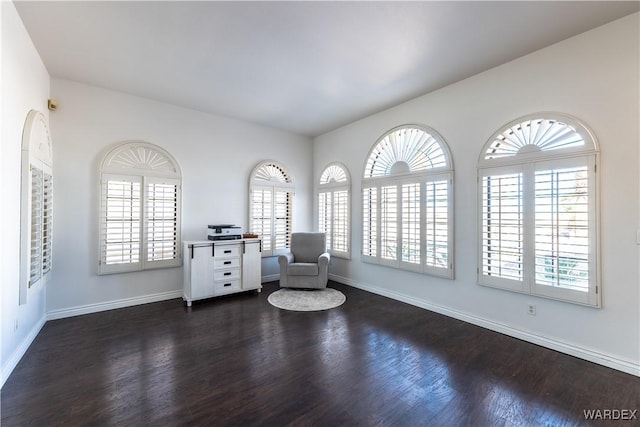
<point x="213" y="268"/>
<point x="251" y="265"/>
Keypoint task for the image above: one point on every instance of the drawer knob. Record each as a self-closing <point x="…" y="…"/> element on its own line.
<point x="227" y="252"/>
<point x="227" y="274"/>
<point x="227" y="284"/>
<point x="227" y="262"/>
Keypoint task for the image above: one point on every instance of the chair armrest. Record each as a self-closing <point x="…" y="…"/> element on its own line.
<point x="323" y="260"/>
<point x="285" y="259"/>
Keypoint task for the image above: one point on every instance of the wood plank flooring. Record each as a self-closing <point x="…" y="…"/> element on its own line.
<point x="239" y="361"/>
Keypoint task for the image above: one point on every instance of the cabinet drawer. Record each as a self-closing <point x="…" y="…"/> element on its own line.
<point x="227" y="286"/>
<point x="219" y="264"/>
<point x="227" y="251"/>
<point x="231" y="274"/>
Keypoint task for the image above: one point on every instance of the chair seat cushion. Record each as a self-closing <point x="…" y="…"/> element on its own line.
<point x="302" y="269"/>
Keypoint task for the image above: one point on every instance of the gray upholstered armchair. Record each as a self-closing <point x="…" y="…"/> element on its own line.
<point x="307" y="265"/>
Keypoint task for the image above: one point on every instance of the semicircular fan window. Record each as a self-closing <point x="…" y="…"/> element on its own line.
<point x="333" y="173"/>
<point x="532" y="136"/>
<point x="407" y="149"/>
<point x="272" y="172"/>
<point x="140" y="156"/>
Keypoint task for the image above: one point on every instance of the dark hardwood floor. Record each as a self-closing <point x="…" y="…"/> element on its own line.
<point x="239" y="361"/>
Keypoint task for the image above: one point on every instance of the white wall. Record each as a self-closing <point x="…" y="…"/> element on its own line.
<point x="25" y="86"/>
<point x="593" y="77"/>
<point x="216" y="155"/>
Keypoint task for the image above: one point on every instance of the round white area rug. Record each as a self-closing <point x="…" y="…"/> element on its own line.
<point x="307" y="300"/>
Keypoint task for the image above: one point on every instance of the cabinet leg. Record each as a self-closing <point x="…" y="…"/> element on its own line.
<point x="188" y="303"/>
<point x="259" y="290"/>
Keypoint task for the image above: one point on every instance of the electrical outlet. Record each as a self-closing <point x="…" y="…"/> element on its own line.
<point x="531" y="310"/>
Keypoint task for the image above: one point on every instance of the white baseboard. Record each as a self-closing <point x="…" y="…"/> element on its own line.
<point x="270" y="278"/>
<point x="600" y="358"/>
<point x="103" y="306"/>
<point x="13" y="361"/>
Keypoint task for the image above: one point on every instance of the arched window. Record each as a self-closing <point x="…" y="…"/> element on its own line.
<point x="334" y="201"/>
<point x="36" y="210"/>
<point x="407" y="198"/>
<point x="271" y="203"/>
<point x="538" y="205"/>
<point x="140" y="206"/>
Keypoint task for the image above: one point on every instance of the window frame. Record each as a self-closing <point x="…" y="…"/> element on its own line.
<point x="331" y="188"/>
<point x="144" y="163"/>
<point x="399" y="178"/>
<point x="36" y="155"/>
<point x="261" y="180"/>
<point x="528" y="161"/>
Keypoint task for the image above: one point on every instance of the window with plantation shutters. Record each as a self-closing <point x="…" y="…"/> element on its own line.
<point x="271" y="207"/>
<point x="36" y="205"/>
<point x="140" y="207"/>
<point x="538" y="223"/>
<point x="408" y="202"/>
<point x="334" y="195"/>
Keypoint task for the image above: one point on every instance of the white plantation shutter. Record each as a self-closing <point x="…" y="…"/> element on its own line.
<point x="502" y="229"/>
<point x="121" y="225"/>
<point x="539" y="210"/>
<point x="37" y="220"/>
<point x="282" y="219"/>
<point x="411" y="221"/>
<point x="410" y="171"/>
<point x="41" y="214"/>
<point x="162" y="220"/>
<point x="564" y="253"/>
<point x="437" y="231"/>
<point x="271" y="207"/>
<point x="562" y="228"/>
<point x="389" y="222"/>
<point x="370" y="222"/>
<point x="261" y="215"/>
<point x="340" y="228"/>
<point x="140" y="209"/>
<point x="325" y="213"/>
<point x="47" y="222"/>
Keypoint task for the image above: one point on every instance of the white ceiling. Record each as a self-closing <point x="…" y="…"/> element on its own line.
<point x="305" y="67"/>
